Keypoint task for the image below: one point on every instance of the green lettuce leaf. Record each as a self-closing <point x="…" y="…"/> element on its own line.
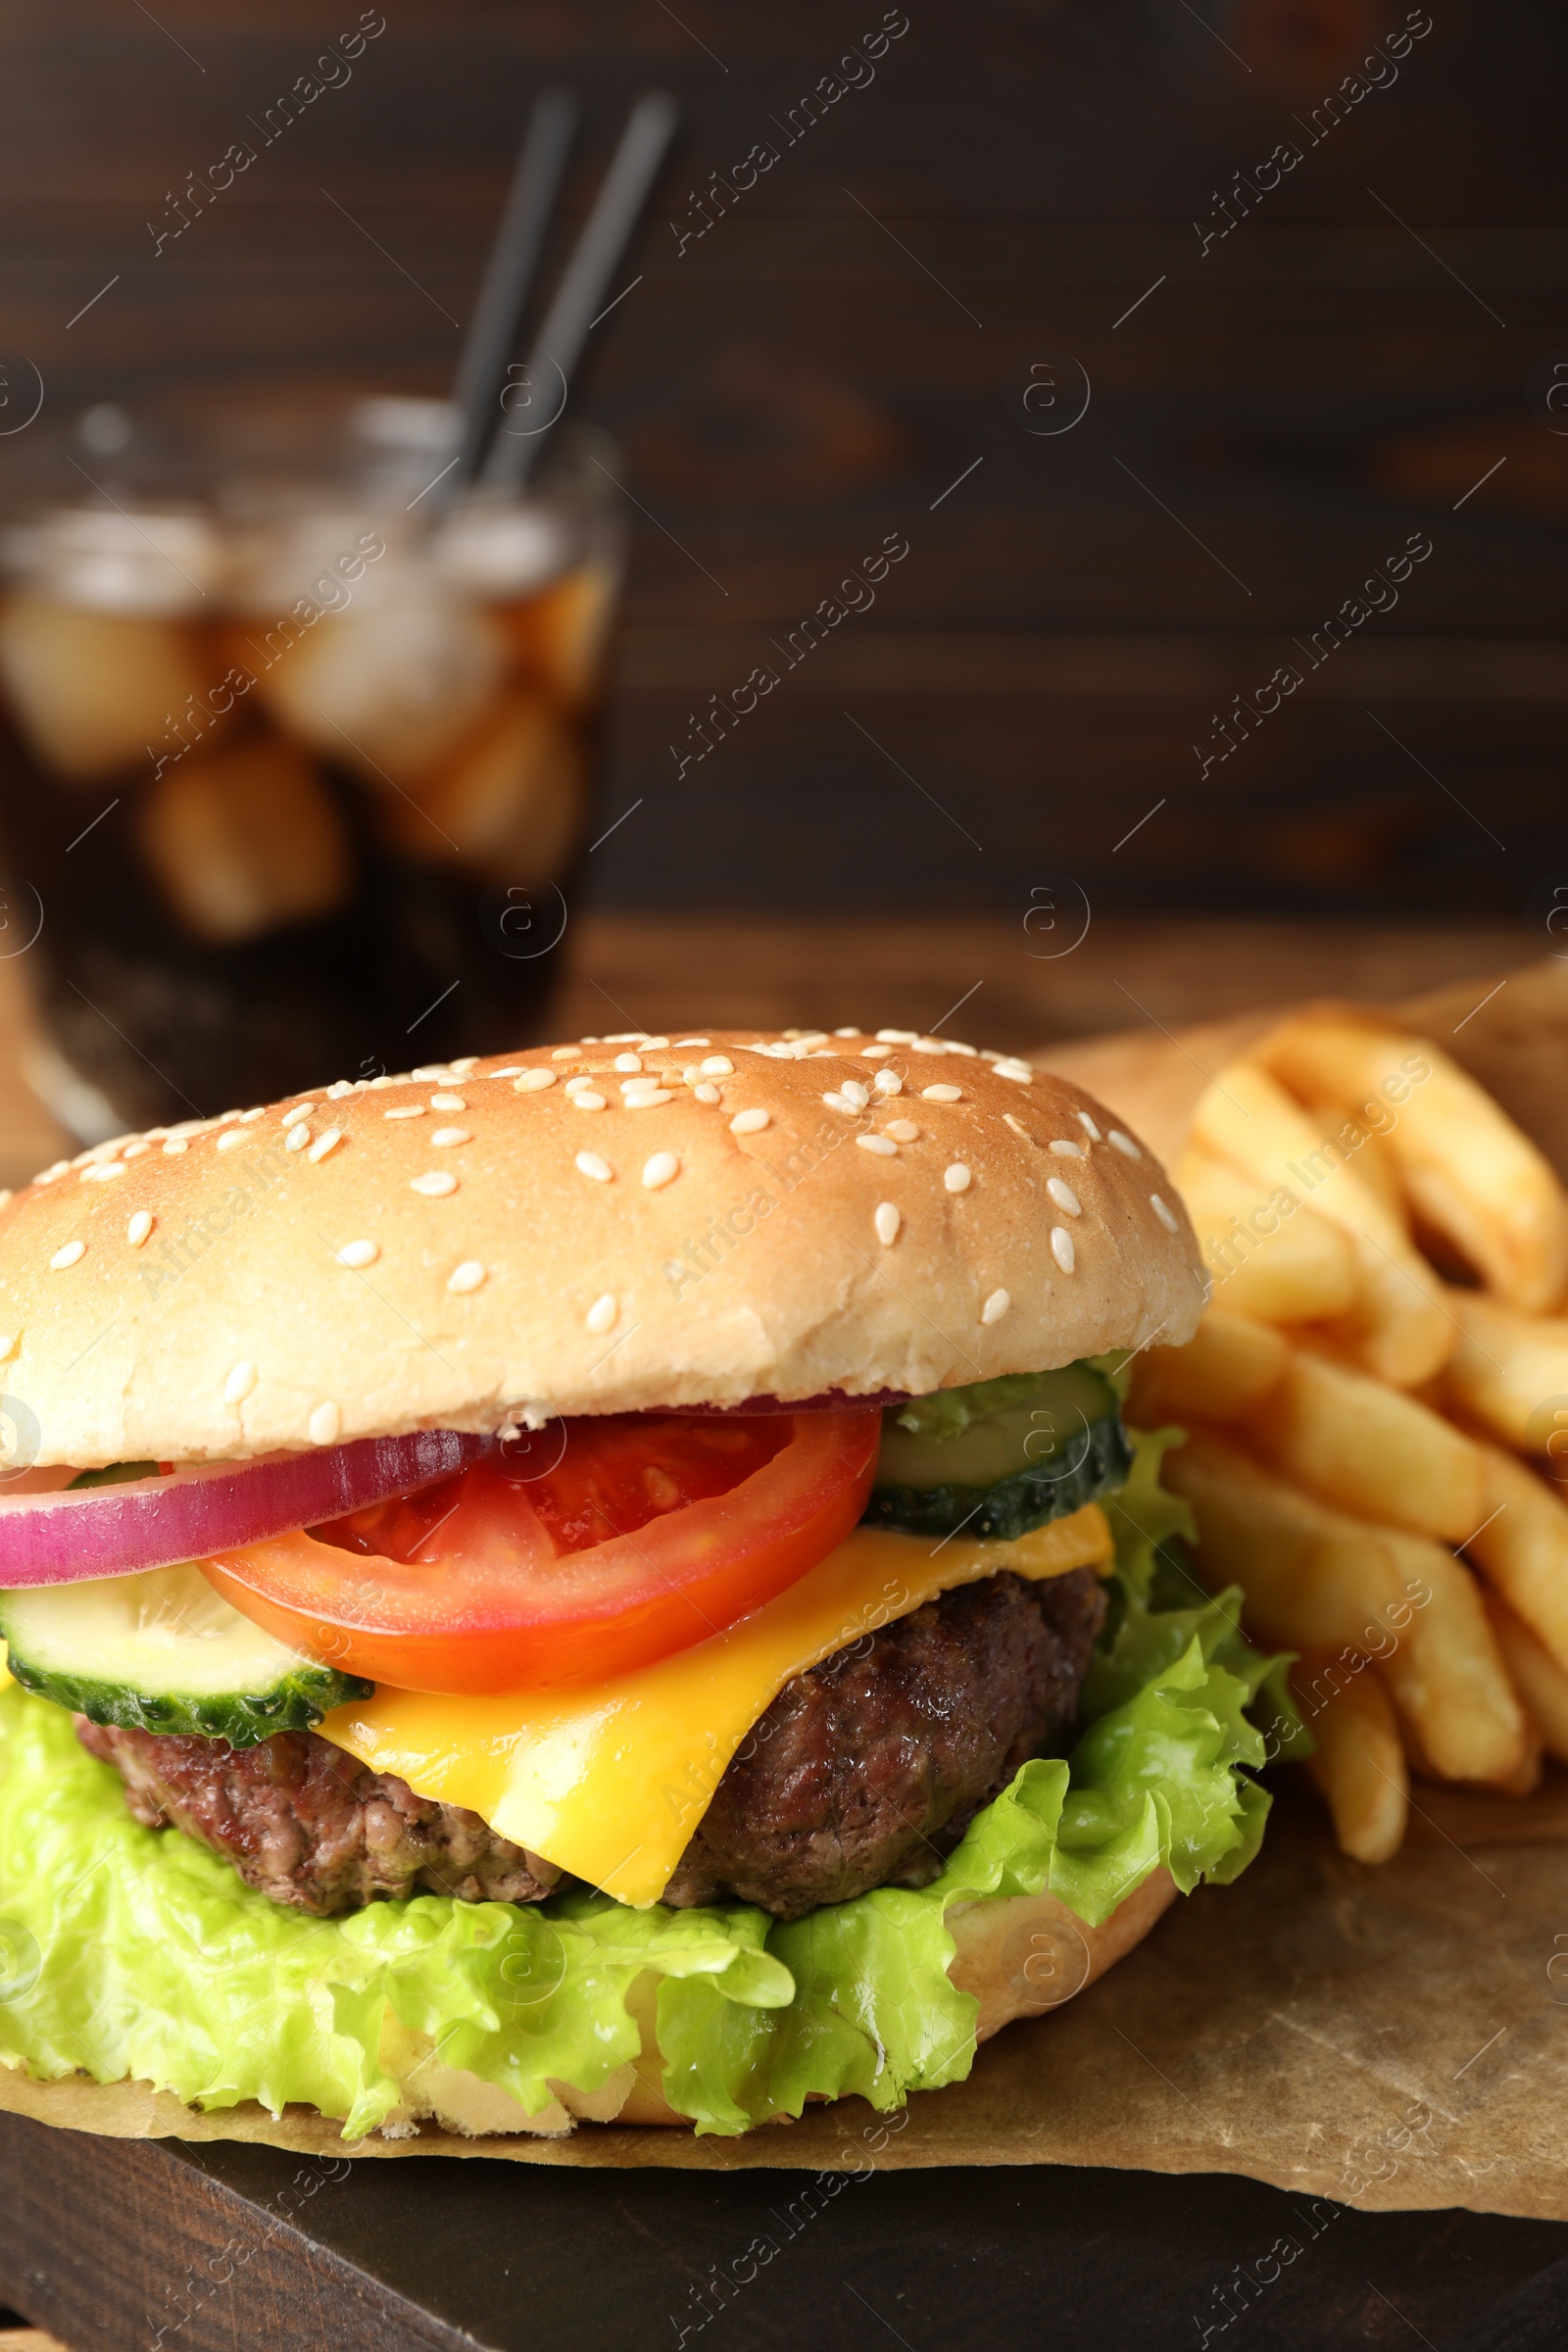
<point x="126" y="1951"/>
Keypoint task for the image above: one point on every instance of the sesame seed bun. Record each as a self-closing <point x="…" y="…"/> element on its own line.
<point x="590" y="1228"/>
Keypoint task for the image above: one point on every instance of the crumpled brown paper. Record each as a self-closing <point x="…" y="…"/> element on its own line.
<point x="1388" y="2037"/>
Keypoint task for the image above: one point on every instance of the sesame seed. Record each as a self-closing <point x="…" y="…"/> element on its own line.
<point x="466" y="1277"/>
<point x="292" y="1111"/>
<point x="140" y="1226"/>
<point x="295" y="1140"/>
<point x="837" y="1102"/>
<point x="1063" y="1196"/>
<point x="660" y="1170"/>
<point x="930" y="1044"/>
<point x="627" y="1037"/>
<point x="1172" y="1224"/>
<point x="1018" y="1070"/>
<point x="448" y="1102"/>
<point x="845" y="1033"/>
<point x="563" y="1053"/>
<point x="239" y="1383"/>
<point x="338" y="1089"/>
<point x="405" y="1110"/>
<point x="1124" y="1144"/>
<point x="532" y="1082"/>
<point x="957" y="1178"/>
<point x="463" y="1064"/>
<point x="1089" y="1127"/>
<point x="444" y="1138"/>
<point x="706" y="1093"/>
<point x="101" y="1170"/>
<point x="8" y="1341"/>
<point x="682" y="1041"/>
<point x="903" y="1131"/>
<point x="434" y="1069"/>
<point x="874" y="1053"/>
<point x="513" y="1069"/>
<point x="235" y="1135"/>
<point x="174" y="1145"/>
<point x="942" y="1094"/>
<point x="359" y="1253"/>
<point x="628" y="1061"/>
<point x="855" y="1093"/>
<point x="135" y="1150"/>
<point x="1017" y="1126"/>
<point x="323" y="1425"/>
<point x="994" y="1307"/>
<point x="587" y="1100"/>
<point x="1061" y="1249"/>
<point x="1064" y="1150"/>
<point x="955" y="1045"/>
<point x="575" y="1086"/>
<point x="329" y="1142"/>
<point x="750" y="1122"/>
<point x="888" y="1081"/>
<point x="48" y="1175"/>
<point x="589" y="1163"/>
<point x="435" y="1186"/>
<point x="248" y="1118"/>
<point x="718" y="1065"/>
<point x="601" y="1317"/>
<point x="68" y="1255"/>
<point x="896" y="1036"/>
<point x="648" y="1099"/>
<point x="887" y="1220"/>
<point x="882" y="1145"/>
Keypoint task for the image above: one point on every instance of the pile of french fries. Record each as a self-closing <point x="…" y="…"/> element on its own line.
<point x="1377" y="1402"/>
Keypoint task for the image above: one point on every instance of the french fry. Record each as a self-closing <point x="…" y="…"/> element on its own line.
<point x="1227" y="1366"/>
<point x="1358" y="1762"/>
<point x="1375" y="1163"/>
<point x="1316" y="1579"/>
<point x="1521" y="1548"/>
<point x="1372" y="1449"/>
<point x="1447" y="1676"/>
<point x="1511" y="1372"/>
<point x="1470" y="1172"/>
<point x="1398" y="1328"/>
<point x="1291" y="1268"/>
<point x="1312" y="1578"/>
<point x="1539" y="1678"/>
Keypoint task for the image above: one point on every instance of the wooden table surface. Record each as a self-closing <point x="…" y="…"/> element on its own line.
<point x="989" y="981"/>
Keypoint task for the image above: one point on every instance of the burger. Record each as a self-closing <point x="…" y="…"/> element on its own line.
<point x="607" y="1583"/>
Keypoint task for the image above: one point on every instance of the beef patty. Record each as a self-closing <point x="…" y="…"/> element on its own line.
<point x="865" y="1772"/>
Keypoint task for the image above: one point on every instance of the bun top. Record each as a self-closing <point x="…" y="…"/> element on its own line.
<point x="619" y="1223"/>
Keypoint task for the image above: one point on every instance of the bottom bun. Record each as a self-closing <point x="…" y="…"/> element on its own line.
<point x="1019" y="1955"/>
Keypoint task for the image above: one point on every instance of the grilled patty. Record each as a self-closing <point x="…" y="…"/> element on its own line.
<point x="865" y="1772"/>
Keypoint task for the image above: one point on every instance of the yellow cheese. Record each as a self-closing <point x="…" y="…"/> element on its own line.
<point x="608" y="1782"/>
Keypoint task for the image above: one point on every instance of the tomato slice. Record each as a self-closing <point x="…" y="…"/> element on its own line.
<point x="646" y="1532"/>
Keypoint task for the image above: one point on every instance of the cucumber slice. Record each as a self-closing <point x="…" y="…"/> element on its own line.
<point x="161" y="1651"/>
<point x="1002" y="1458"/>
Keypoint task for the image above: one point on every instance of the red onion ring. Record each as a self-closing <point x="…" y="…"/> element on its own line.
<point x="67" y="1539"/>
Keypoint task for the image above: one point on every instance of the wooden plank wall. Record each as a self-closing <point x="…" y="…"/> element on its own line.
<point x="917" y="290"/>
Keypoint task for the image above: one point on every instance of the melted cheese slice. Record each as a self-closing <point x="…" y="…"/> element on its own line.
<point x="609" y="1780"/>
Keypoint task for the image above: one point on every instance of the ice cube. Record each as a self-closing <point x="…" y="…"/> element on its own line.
<point x="560" y="633"/>
<point x="95" y="691"/>
<point x="386" y="687"/>
<point x="244" y="841"/>
<point x="501" y="551"/>
<point x="509" y="803"/>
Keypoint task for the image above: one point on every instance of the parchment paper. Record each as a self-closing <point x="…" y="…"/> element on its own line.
<point x="1389" y="2036"/>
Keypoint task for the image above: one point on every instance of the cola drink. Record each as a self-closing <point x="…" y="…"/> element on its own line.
<point x="298" y="751"/>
